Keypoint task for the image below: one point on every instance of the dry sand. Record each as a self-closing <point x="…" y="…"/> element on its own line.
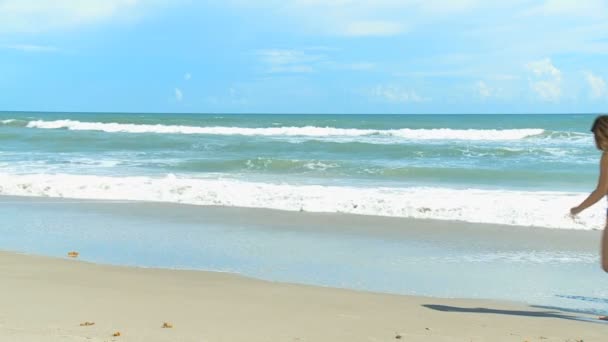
<point x="46" y="299"/>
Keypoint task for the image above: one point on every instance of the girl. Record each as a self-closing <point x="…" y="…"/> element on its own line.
<point x="600" y="133"/>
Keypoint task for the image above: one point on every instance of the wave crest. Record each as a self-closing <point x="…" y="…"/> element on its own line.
<point x="304" y="131"/>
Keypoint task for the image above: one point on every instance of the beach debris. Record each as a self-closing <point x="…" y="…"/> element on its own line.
<point x="167" y="325"/>
<point x="398" y="336"/>
<point x="86" y="324"/>
<point x="116" y="334"/>
<point x="427" y="328"/>
<point x="73" y="254"/>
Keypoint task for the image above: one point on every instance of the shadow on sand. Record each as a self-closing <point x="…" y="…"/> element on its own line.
<point x="585" y="299"/>
<point x="546" y="314"/>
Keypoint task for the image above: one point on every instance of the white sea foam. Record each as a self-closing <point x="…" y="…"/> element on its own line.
<point x="306" y="131"/>
<point x="525" y="208"/>
<point x="320" y="166"/>
<point x="514" y="257"/>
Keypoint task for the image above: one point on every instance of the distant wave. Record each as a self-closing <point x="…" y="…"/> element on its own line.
<point x="523" y="208"/>
<point x="306" y="131"/>
<point x="13" y="122"/>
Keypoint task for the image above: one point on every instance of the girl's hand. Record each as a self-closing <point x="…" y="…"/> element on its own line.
<point x="575" y="211"/>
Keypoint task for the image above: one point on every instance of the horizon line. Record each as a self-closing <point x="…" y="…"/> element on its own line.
<point x="280" y="113"/>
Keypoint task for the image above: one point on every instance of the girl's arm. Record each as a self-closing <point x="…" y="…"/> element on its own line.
<point x="601" y="189"/>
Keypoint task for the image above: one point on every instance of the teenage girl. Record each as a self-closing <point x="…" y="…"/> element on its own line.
<point x="600" y="133"/>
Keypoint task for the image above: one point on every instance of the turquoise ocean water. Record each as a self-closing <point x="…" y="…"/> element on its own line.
<point x="512" y="169"/>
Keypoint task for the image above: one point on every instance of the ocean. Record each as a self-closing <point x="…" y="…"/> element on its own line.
<point x="381" y="173"/>
<point x="525" y="170"/>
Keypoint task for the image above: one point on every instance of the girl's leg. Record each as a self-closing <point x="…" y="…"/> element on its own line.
<point x="604" y="249"/>
<point x="604" y="257"/>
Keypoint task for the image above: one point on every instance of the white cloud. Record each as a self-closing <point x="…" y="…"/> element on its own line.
<point x="354" y="18"/>
<point x="282" y="57"/>
<point x="544" y="67"/>
<point x="31" y="48"/>
<point x="587" y="8"/>
<point x="449" y="6"/>
<point x="33" y="16"/>
<point x="179" y="96"/>
<point x="359" y="66"/>
<point x="293" y="69"/>
<point x="495" y="89"/>
<point x="546" y="80"/>
<point x="508" y="30"/>
<point x="396" y="94"/>
<point x="187" y="76"/>
<point x="550" y="91"/>
<point x="597" y="85"/>
<point x="288" y="61"/>
<point x="436" y="6"/>
<point x="483" y="89"/>
<point x="504" y="77"/>
<point x="306" y="60"/>
<point x="372" y="28"/>
<point x="435" y="73"/>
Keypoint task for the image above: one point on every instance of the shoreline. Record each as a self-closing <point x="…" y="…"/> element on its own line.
<point x="325" y="222"/>
<point x="266" y="213"/>
<point x="47" y="298"/>
<point x="476" y="205"/>
<point x="379" y="254"/>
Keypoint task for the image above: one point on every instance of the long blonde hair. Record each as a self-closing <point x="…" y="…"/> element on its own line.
<point x="600" y="132"/>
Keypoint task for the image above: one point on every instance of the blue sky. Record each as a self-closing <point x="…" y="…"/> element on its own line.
<point x="304" y="56"/>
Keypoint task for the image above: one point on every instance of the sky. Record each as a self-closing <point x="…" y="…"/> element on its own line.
<point x="304" y="56"/>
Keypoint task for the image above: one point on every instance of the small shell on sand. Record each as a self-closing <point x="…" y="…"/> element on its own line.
<point x="167" y="325"/>
<point x="116" y="334"/>
<point x="86" y="324"/>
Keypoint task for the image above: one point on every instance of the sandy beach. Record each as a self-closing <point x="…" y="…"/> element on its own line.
<point x="46" y="299"/>
<point x="360" y="260"/>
